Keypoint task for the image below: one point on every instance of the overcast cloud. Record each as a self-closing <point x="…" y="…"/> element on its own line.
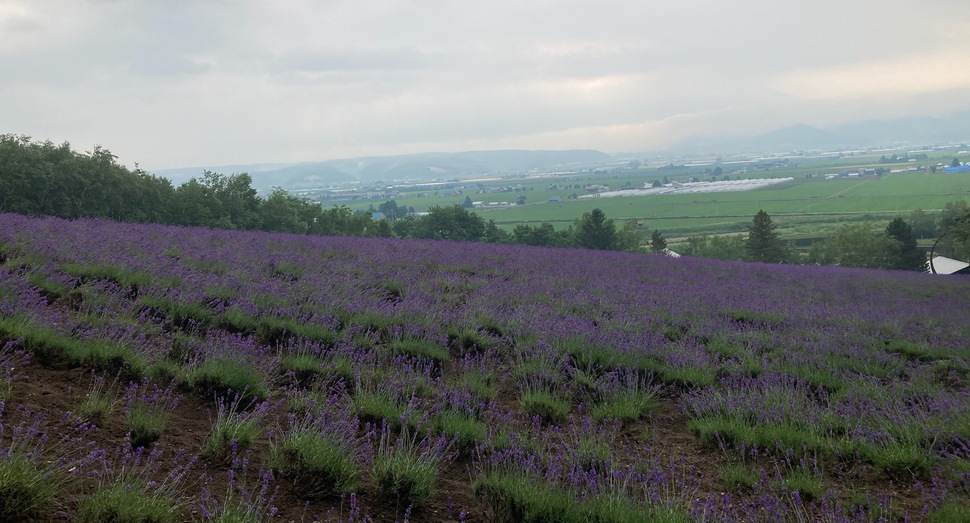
<point x="210" y="82"/>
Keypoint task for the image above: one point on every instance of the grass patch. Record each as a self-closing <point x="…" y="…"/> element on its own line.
<point x="626" y="406"/>
<point x="545" y="405"/>
<point x="123" y="502"/>
<point x="722" y="430"/>
<point x="98" y="403"/>
<point x="304" y="367"/>
<point x="318" y="465"/>
<point x="949" y="512"/>
<point x="518" y="498"/>
<point x="423" y="349"/>
<point x="145" y="425"/>
<point x="274" y="330"/>
<point x="26" y="489"/>
<point x="226" y="377"/>
<point x="738" y="477"/>
<point x="914" y="351"/>
<point x="51" y="348"/>
<point x="808" y="485"/>
<point x="480" y="384"/>
<point x="469" y="341"/>
<point x="378" y="406"/>
<point x="234" y="431"/>
<point x="122" y="276"/>
<point x="186" y="316"/>
<point x="407" y="469"/>
<point x="902" y="461"/>
<point x="463" y="429"/>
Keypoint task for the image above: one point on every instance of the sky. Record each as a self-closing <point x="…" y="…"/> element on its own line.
<point x="184" y="83"/>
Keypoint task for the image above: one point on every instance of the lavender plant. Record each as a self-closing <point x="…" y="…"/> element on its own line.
<point x="133" y="489"/>
<point x="236" y="427"/>
<point x="321" y="451"/>
<point x="147" y="407"/>
<point x="99" y="402"/>
<point x="406" y="467"/>
<point x="38" y="461"/>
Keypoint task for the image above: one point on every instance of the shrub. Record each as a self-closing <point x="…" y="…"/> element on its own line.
<point x="808" y="485"/>
<point x="26" y="488"/>
<point x="123" y="502"/>
<point x="147" y="407"/>
<point x="98" y="402"/>
<point x="738" y="477"/>
<point x="421" y="349"/>
<point x="319" y="465"/>
<point x="378" y="406"/>
<point x="949" y="512"/>
<point x="407" y="468"/>
<point x="545" y="405"/>
<point x="304" y="367"/>
<point x="462" y="428"/>
<point x="224" y="376"/>
<point x="519" y="498"/>
<point x="625" y="406"/>
<point x="234" y="430"/>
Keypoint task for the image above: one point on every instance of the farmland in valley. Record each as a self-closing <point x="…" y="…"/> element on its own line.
<point x="808" y="204"/>
<point x="274" y="377"/>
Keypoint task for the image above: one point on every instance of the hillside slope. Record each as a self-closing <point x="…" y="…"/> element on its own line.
<point x="551" y="384"/>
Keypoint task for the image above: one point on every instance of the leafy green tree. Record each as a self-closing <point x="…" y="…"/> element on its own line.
<point x="281" y="213"/>
<point x="193" y="204"/>
<point x="961" y="236"/>
<point x="450" y="223"/>
<point x="923" y="224"/>
<point x="763" y="244"/>
<point x="856" y="245"/>
<point x="382" y="229"/>
<point x="950" y="244"/>
<point x="541" y="235"/>
<point x="339" y="220"/>
<point x="235" y="201"/>
<point x="906" y="254"/>
<point x="391" y="210"/>
<point x="467" y="203"/>
<point x="629" y="237"/>
<point x="733" y="247"/>
<point x="955" y="162"/>
<point x="405" y="227"/>
<point x="595" y="231"/>
<point x="658" y="243"/>
<point x="495" y="235"/>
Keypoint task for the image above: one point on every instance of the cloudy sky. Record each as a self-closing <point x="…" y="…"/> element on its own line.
<point x="180" y="83"/>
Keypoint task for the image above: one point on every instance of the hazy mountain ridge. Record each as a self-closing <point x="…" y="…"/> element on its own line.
<point x="420" y="166"/>
<point x="425" y="166"/>
<point x="921" y="130"/>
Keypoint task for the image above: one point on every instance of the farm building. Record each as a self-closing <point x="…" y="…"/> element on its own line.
<point x="944" y="265"/>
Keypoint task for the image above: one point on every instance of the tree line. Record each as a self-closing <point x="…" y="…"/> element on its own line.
<point x="862" y="244"/>
<point x="41" y="178"/>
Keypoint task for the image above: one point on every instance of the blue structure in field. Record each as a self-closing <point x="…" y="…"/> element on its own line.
<point x="960" y="169"/>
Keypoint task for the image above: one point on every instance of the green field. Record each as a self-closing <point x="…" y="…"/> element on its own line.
<point x="809" y="204"/>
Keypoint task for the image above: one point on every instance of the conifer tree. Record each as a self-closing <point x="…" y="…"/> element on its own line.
<point x="595" y="231"/>
<point x="907" y="255"/>
<point x="658" y="243"/>
<point x="762" y="244"/>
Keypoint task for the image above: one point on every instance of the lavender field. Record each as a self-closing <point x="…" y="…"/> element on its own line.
<point x="153" y="373"/>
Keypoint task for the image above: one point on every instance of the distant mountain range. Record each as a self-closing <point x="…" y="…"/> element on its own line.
<point x="423" y="166"/>
<point x="427" y="166"/>
<point x="921" y="130"/>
